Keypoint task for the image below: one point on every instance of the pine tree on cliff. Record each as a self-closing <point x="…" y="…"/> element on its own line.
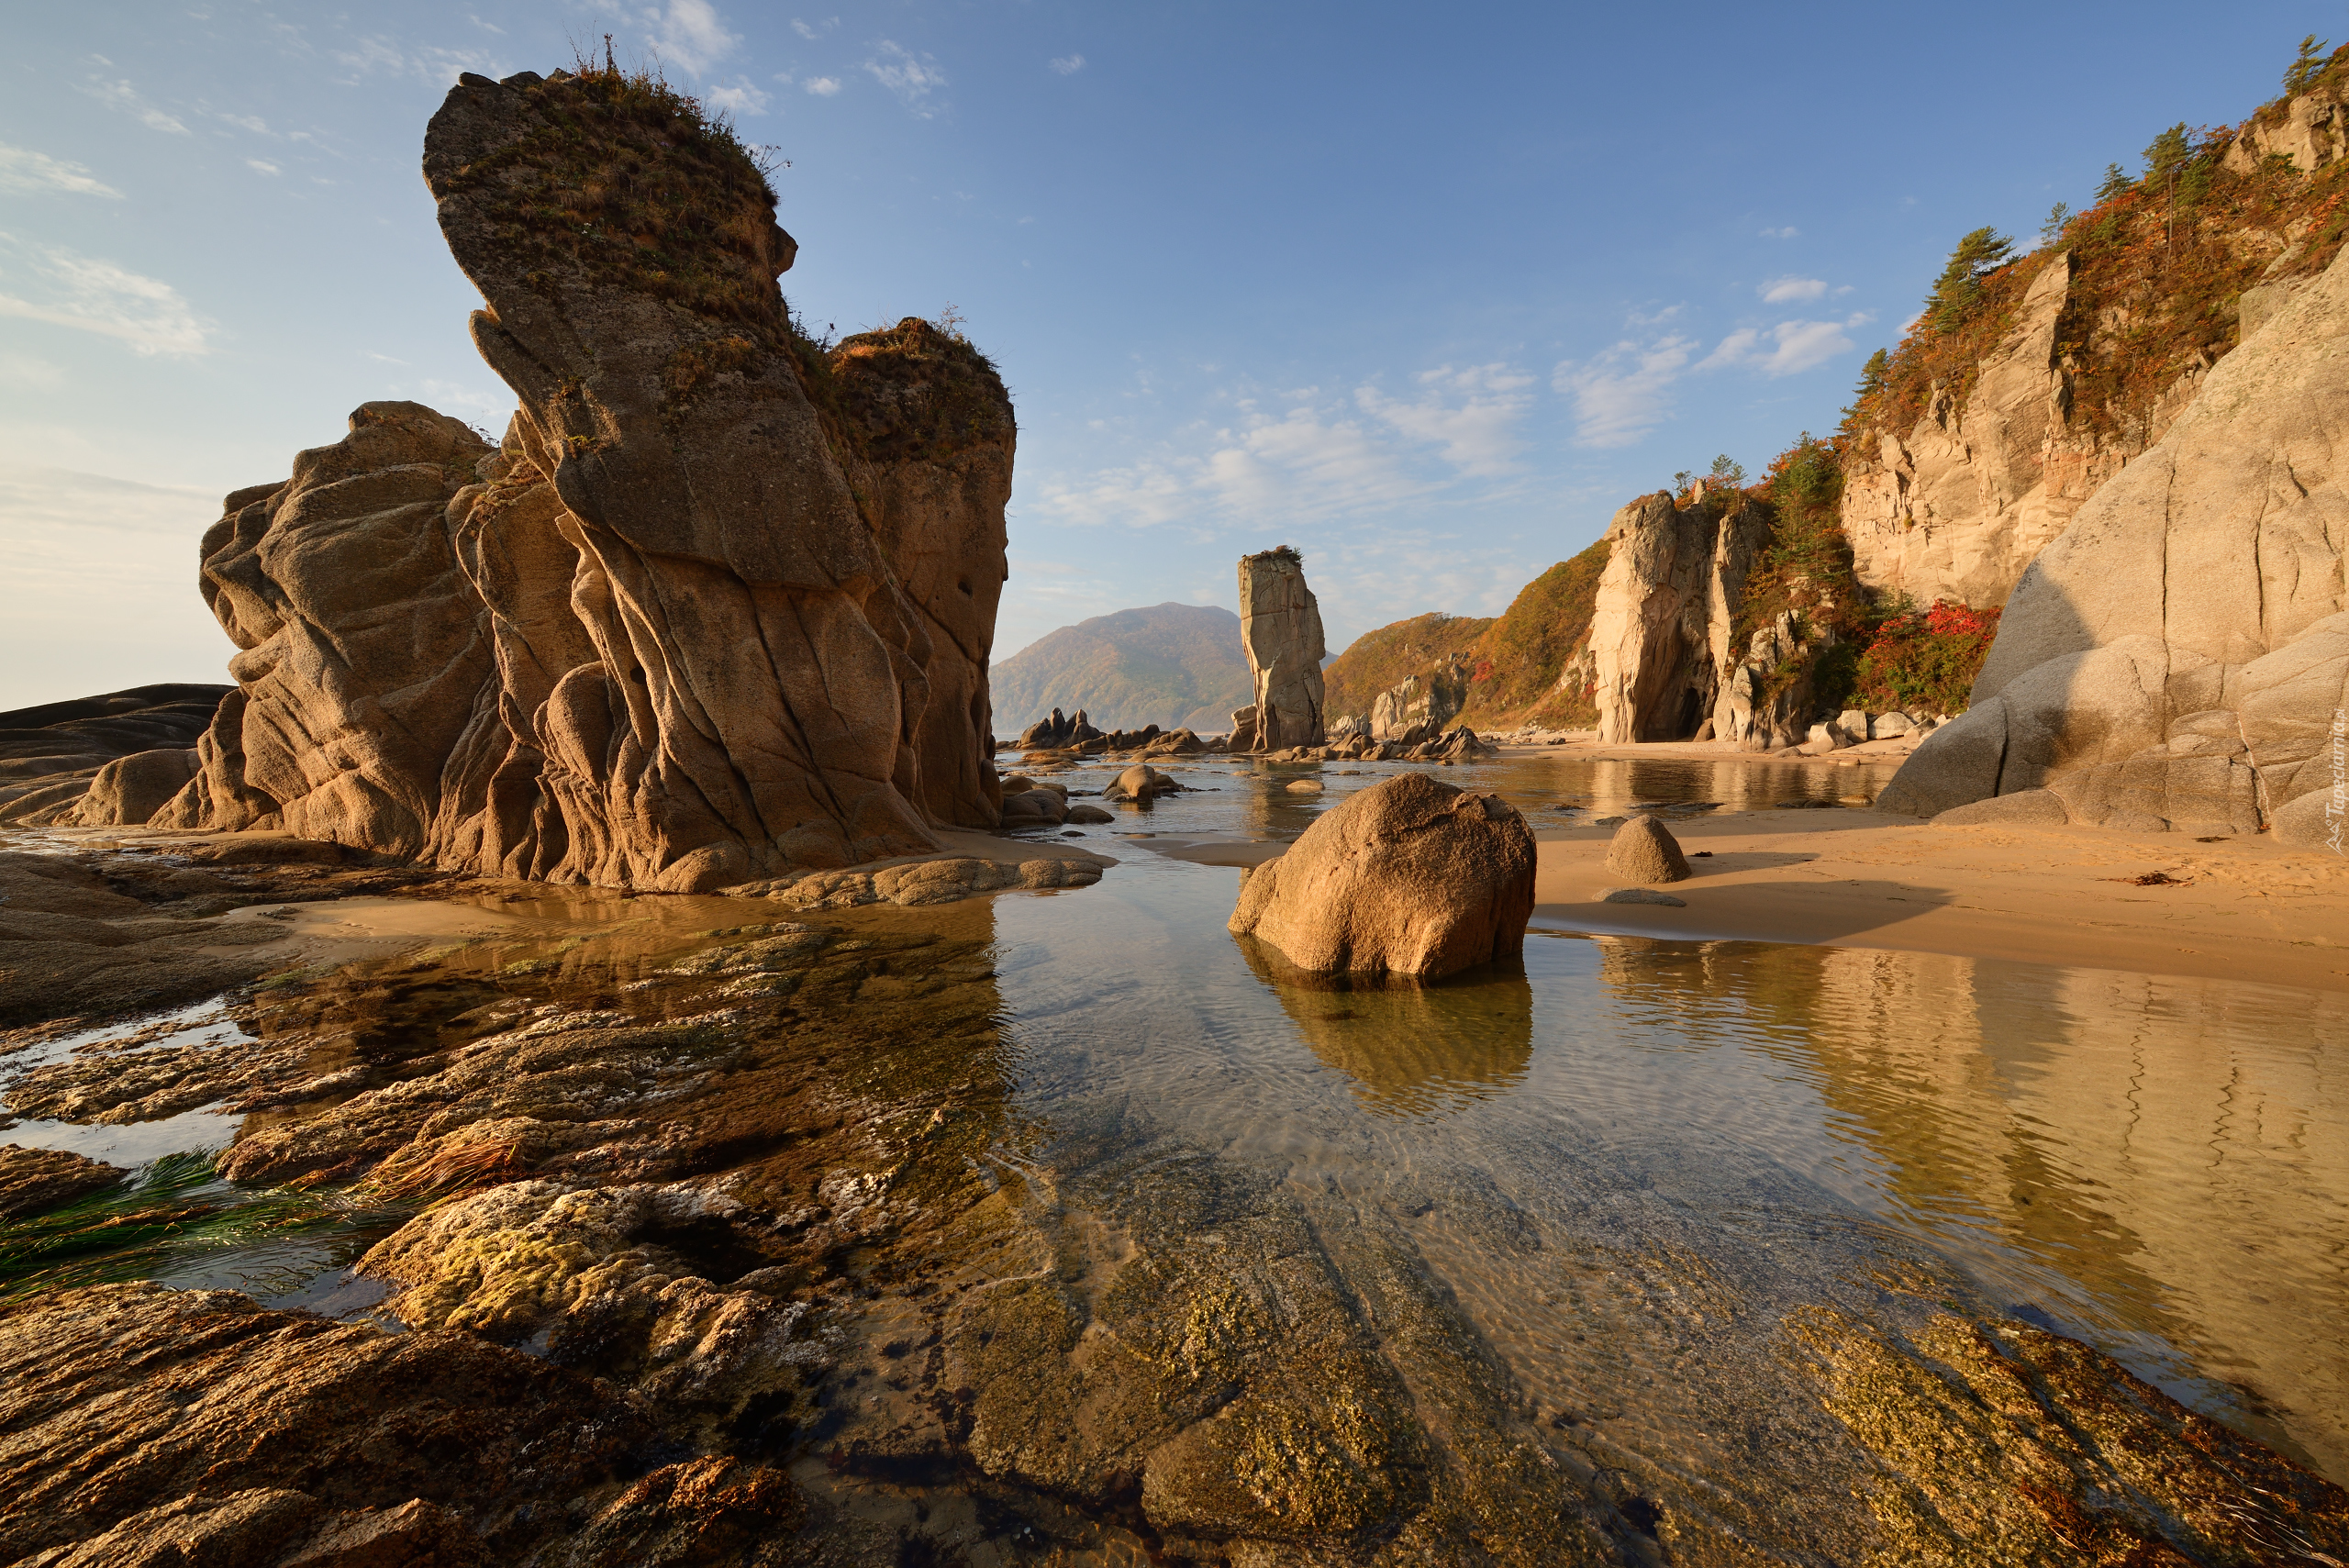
<point x="1960" y="285"/>
<point x="2308" y="65"/>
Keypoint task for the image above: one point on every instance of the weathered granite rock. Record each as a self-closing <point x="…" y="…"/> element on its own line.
<point x="1408" y="877"/>
<point x="35" y="1179"/>
<point x="2181" y="653"/>
<point x="133" y="789"/>
<point x="2004" y="1443"/>
<point x="719" y="609"/>
<point x="1280" y="627"/>
<point x="1415" y="709"/>
<point x="1644" y="850"/>
<point x="1142" y="782"/>
<point x="2312" y="130"/>
<point x="50" y="754"/>
<point x="124" y="1405"/>
<point x="1958" y="506"/>
<point x="1667" y="606"/>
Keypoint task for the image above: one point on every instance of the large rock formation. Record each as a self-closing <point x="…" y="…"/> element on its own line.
<point x="1957" y="506"/>
<point x="717" y="609"/>
<point x="1280" y="627"/>
<point x="1417" y="708"/>
<point x="2181" y="653"/>
<point x="1662" y="633"/>
<point x="1408" y="877"/>
<point x="51" y="754"/>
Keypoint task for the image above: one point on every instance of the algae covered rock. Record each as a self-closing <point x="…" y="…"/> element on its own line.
<point x="1407" y="877"/>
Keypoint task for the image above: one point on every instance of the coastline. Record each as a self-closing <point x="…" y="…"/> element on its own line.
<point x="2241" y="909"/>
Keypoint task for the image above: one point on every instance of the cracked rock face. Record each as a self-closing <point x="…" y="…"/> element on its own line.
<point x="2179" y="656"/>
<point x="717" y="609"/>
<point x="1280" y="627"/>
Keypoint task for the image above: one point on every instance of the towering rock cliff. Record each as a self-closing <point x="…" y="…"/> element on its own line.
<point x="2180" y="655"/>
<point x="1662" y="631"/>
<point x="1280" y="627"/>
<point x="719" y="607"/>
<point x="2019" y="393"/>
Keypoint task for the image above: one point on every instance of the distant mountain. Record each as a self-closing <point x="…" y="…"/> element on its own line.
<point x="1177" y="666"/>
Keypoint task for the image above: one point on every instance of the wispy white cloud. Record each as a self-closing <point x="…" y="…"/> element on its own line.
<point x="376" y="55"/>
<point x="30" y="371"/>
<point x="690" y="33"/>
<point x="822" y="86"/>
<point x="1786" y="290"/>
<point x="59" y="286"/>
<point x="913" y="78"/>
<point x="1786" y="348"/>
<point x="253" y="123"/>
<point x="1625" y="390"/>
<point x="1068" y="64"/>
<point x="122" y="95"/>
<point x="813" y="30"/>
<point x="24" y="171"/>
<point x="1471" y="413"/>
<point x="1788" y="232"/>
<point x="741" y="99"/>
<point x="263" y="166"/>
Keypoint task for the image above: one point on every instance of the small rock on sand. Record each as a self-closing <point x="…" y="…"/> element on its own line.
<point x="1644" y="850"/>
<point x="1642" y="896"/>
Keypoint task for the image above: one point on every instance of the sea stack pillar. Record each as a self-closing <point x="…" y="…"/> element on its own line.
<point x="1280" y="627"/>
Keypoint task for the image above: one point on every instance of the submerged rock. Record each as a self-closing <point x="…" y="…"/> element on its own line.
<point x="1407" y="877"/>
<point x="35" y="1179"/>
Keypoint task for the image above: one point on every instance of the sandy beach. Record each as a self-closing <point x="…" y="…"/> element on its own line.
<point x="2241" y="909"/>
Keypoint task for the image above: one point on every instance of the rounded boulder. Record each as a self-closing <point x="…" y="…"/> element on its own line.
<point x="1644" y="850"/>
<point x="1409" y="877"/>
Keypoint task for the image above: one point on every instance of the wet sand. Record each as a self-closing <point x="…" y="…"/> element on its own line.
<point x="2242" y="908"/>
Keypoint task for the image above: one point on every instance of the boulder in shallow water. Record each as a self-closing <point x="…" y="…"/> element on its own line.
<point x="1407" y="877"/>
<point x="1644" y="850"/>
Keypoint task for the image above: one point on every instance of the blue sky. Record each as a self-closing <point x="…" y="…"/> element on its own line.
<point x="1426" y="291"/>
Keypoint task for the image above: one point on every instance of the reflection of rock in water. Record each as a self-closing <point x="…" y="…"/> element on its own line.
<point x="2158" y="1141"/>
<point x="1411" y="1050"/>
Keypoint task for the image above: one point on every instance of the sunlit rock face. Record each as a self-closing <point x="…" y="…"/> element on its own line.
<point x="717" y="609"/>
<point x="1280" y="626"/>
<point x="2180" y="655"/>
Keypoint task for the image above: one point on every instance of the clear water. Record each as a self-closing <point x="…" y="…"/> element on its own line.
<point x="1244" y="800"/>
<point x="2159" y="1166"/>
<point x="1628" y="1159"/>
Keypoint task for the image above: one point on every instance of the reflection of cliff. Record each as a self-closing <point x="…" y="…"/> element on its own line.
<point x="1411" y="1050"/>
<point x="2177" y="1148"/>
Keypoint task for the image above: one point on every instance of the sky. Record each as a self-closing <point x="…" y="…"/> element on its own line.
<point x="1425" y="292"/>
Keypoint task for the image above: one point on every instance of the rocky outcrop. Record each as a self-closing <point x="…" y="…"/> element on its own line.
<point x="2309" y="130"/>
<point x="1957" y="506"/>
<point x="1417" y="707"/>
<point x="1408" y="877"/>
<point x="717" y="610"/>
<point x="2181" y="653"/>
<point x="50" y="755"/>
<point x="1280" y="627"/>
<point x="1668" y="604"/>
